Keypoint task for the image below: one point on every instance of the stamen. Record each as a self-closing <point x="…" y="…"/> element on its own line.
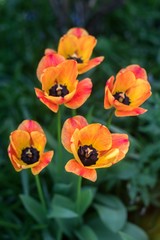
<point x="30" y="155"/>
<point x="75" y="57"/>
<point x="122" y="98"/>
<point x="88" y="155"/>
<point x="58" y="90"/>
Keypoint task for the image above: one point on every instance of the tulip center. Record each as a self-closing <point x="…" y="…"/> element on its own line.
<point x="122" y="98"/>
<point x="58" y="90"/>
<point x="30" y="155"/>
<point x="88" y="155"/>
<point x="75" y="57"/>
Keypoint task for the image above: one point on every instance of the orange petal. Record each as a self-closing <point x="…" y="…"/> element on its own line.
<point x="14" y="160"/>
<point x="133" y="112"/>
<point x="74" y="167"/>
<point x="78" y="32"/>
<point x="121" y="142"/>
<point x="50" y="104"/>
<point x="44" y="161"/>
<point x="139" y="93"/>
<point x="68" y="129"/>
<point x="19" y="140"/>
<point x="67" y="45"/>
<point x="38" y="140"/>
<point x="67" y="74"/>
<point x="89" y="65"/>
<point x="50" y="59"/>
<point x="108" y="98"/>
<point x="83" y="92"/>
<point x="49" y="78"/>
<point x="97" y="135"/>
<point x="138" y="71"/>
<point x="86" y="45"/>
<point x="123" y="82"/>
<point x="30" y="126"/>
<point x="107" y="159"/>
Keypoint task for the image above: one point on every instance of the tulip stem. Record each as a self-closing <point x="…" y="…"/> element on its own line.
<point x="40" y="192"/>
<point x="110" y="117"/>
<point x="79" y="183"/>
<point x="59" y="142"/>
<point x="73" y="112"/>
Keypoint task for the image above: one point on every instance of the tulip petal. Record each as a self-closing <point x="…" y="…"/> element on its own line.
<point x="137" y="70"/>
<point x="85" y="47"/>
<point x="108" y="98"/>
<point x="123" y="82"/>
<point x="50" y="59"/>
<point x="107" y="159"/>
<point x="52" y="106"/>
<point x="19" y="140"/>
<point x="30" y="126"/>
<point x="83" y="92"/>
<point x="78" y="32"/>
<point x="82" y="68"/>
<point x="68" y="129"/>
<point x="14" y="160"/>
<point x="74" y="167"/>
<point x="38" y="140"/>
<point x="133" y="112"/>
<point x="44" y="161"/>
<point x="121" y="142"/>
<point x="139" y="93"/>
<point x="96" y="135"/>
<point x="67" y="45"/>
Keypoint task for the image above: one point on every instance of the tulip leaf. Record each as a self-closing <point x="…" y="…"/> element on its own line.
<point x="86" y="198"/>
<point x="134" y="232"/>
<point x="125" y="236"/>
<point x="34" y="208"/>
<point x="111" y="211"/>
<point x="62" y="207"/>
<point x="85" y="232"/>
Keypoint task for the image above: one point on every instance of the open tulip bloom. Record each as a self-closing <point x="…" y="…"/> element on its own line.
<point x="92" y="145"/>
<point x="60" y="86"/>
<point x="26" y="148"/>
<point x="77" y="44"/>
<point x="128" y="91"/>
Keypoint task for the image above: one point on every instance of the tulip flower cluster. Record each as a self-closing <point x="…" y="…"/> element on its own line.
<point x="92" y="145"/>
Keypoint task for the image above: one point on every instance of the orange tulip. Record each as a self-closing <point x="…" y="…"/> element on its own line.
<point x="60" y="86"/>
<point x="128" y="91"/>
<point x="92" y="145"/>
<point x="50" y="59"/>
<point x="77" y="44"/>
<point x="26" y="148"/>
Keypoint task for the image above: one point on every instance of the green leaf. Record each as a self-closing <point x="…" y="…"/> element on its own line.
<point x="34" y="208"/>
<point x="87" y="195"/>
<point x="85" y="232"/>
<point x="111" y="211"/>
<point x="62" y="207"/>
<point x="125" y="236"/>
<point x="135" y="232"/>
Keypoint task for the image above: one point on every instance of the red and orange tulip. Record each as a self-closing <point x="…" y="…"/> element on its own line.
<point x="92" y="145"/>
<point x="128" y="91"/>
<point x="26" y="148"/>
<point x="77" y="44"/>
<point x="60" y="86"/>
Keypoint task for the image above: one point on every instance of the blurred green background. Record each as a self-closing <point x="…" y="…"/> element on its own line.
<point x="128" y="32"/>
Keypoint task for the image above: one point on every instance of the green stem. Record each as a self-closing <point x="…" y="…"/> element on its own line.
<point x="73" y="112"/>
<point x="40" y="192"/>
<point x="79" y="183"/>
<point x="110" y="117"/>
<point x="59" y="163"/>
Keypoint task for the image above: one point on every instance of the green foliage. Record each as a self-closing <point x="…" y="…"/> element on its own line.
<point x="108" y="209"/>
